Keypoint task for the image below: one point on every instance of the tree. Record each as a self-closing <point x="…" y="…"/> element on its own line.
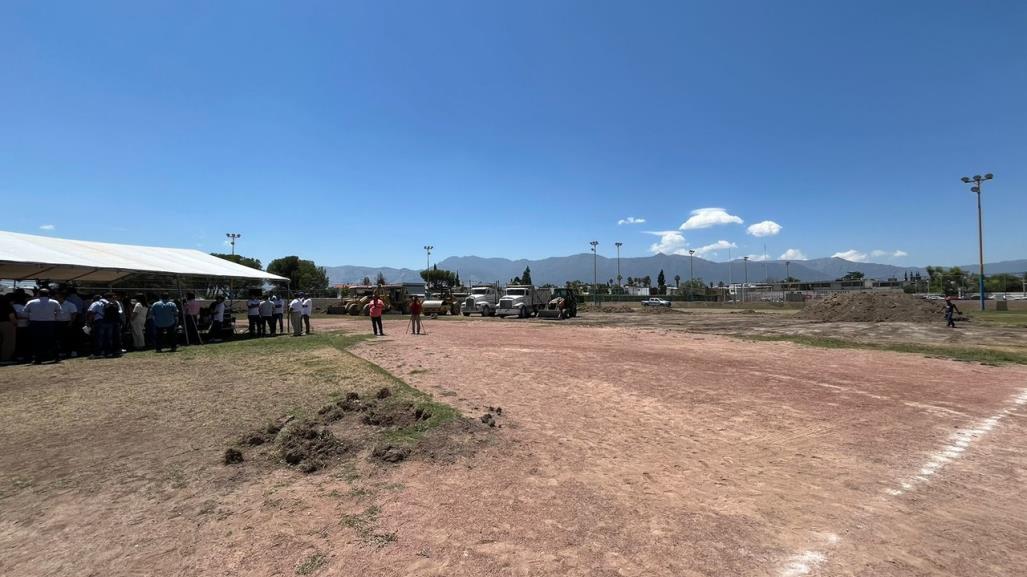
<point x="661" y="283"/>
<point x="239" y="259"/>
<point x="677" y="280"/>
<point x="381" y="279"/>
<point x="366" y="281"/>
<point x="526" y="275"/>
<point x="440" y="279"/>
<point x="646" y="281"/>
<point x="303" y="275"/>
<point x="852" y="275"/>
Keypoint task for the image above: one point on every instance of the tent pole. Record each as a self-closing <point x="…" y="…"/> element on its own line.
<point x="181" y="299"/>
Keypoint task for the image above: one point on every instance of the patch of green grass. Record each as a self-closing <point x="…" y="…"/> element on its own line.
<point x="258" y="346"/>
<point x="364" y="523"/>
<point x="968" y="354"/>
<point x="311" y="564"/>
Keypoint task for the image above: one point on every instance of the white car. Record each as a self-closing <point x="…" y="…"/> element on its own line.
<point x="655" y="302"/>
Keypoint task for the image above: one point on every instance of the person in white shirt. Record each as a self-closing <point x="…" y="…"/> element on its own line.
<point x="253" y="314"/>
<point x="267" y="317"/>
<point x="137" y="321"/>
<point x="217" y="319"/>
<point x="279" y="313"/>
<point x="308" y="306"/>
<point x="296" y="315"/>
<point x="42" y="316"/>
<point x="67" y="336"/>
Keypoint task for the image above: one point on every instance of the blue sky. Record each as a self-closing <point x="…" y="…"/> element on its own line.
<point x="355" y="133"/>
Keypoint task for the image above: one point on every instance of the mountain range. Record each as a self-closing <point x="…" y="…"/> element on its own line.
<point x="557" y="270"/>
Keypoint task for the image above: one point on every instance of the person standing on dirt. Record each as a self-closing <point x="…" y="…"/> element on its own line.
<point x="950" y="308"/>
<point x="217" y="319"/>
<point x="8" y="322"/>
<point x="278" y="314"/>
<point x="42" y="313"/>
<point x="267" y="317"/>
<point x="308" y="307"/>
<point x="375" y="309"/>
<point x="137" y="322"/>
<point x="191" y="318"/>
<point x="296" y="315"/>
<point x="165" y="320"/>
<point x="415" y="315"/>
<point x="253" y="314"/>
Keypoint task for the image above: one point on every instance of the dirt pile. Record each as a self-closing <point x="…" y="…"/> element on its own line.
<point x="606" y="308"/>
<point x="869" y="307"/>
<point x="308" y="445"/>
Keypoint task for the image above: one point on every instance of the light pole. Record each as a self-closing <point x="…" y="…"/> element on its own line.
<point x="427" y="268"/>
<point x="788" y="275"/>
<point x="691" y="274"/>
<point x="231" y="239"/>
<point x="745" y="289"/>
<point x="595" y="272"/>
<point x="977" y="180"/>
<point x="618" y="264"/>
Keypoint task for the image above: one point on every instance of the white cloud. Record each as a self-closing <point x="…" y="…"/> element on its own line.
<point x="713" y="248"/>
<point x="707" y="217"/>
<point x="47" y="227"/>
<point x="631" y="220"/>
<point x="792" y="254"/>
<point x="851" y="255"/>
<point x="877" y="253"/>
<point x="765" y="228"/>
<point x="671" y="242"/>
<point x="758" y="257"/>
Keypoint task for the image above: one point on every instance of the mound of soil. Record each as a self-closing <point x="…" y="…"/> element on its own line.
<point x="869" y="307"/>
<point x="395" y="415"/>
<point x="607" y="308"/>
<point x="308" y="446"/>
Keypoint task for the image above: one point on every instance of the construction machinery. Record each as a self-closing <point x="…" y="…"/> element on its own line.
<point x="443" y="304"/>
<point x="563" y="305"/>
<point x="523" y="301"/>
<point x="359" y="299"/>
<point x="483" y="300"/>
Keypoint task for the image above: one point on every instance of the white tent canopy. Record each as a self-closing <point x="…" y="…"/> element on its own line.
<point x="29" y="256"/>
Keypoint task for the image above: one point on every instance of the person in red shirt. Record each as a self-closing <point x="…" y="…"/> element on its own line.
<point x="375" y="308"/>
<point x="415" y="315"/>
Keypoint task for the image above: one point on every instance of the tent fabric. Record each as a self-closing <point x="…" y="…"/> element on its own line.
<point x="29" y="256"/>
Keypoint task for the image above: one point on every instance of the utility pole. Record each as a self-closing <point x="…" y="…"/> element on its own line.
<point x="427" y="268"/>
<point x="619" y="284"/>
<point x="977" y="180"/>
<point x="595" y="272"/>
<point x="745" y="289"/>
<point x="231" y="239"/>
<point x="691" y="275"/>
<point x="788" y="275"/>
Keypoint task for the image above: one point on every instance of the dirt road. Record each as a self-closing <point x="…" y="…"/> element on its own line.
<point x="651" y="452"/>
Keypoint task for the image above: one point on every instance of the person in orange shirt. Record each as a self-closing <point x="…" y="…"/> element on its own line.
<point x="375" y="308"/>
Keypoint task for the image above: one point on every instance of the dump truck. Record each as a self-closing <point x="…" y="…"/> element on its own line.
<point x="523" y="301"/>
<point x="563" y="305"/>
<point x="483" y="300"/>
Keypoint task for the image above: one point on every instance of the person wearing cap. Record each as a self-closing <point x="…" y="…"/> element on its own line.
<point x="42" y="315"/>
<point x="375" y="309"/>
<point x="415" y="315"/>
<point x="296" y="315"/>
<point x="950" y="307"/>
<point x="308" y="307"/>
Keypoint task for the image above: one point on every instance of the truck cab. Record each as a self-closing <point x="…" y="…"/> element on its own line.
<point x="482" y="300"/>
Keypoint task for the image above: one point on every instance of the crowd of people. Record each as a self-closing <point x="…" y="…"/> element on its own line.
<point x="48" y="326"/>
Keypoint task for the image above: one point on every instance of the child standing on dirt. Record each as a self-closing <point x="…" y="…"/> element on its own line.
<point x="950" y="306"/>
<point x="375" y="308"/>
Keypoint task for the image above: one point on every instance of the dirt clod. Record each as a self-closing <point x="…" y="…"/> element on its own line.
<point x="254" y="439"/>
<point x="352" y="396"/>
<point x="488" y="419"/>
<point x="383" y="393"/>
<point x="390" y="453"/>
<point x="308" y="446"/>
<point x="392" y="415"/>
<point x="233" y="456"/>
<point x="873" y="308"/>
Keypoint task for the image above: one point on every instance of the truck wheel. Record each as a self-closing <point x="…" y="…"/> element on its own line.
<point x="502" y="316"/>
<point x="523" y="313"/>
<point x="467" y="314"/>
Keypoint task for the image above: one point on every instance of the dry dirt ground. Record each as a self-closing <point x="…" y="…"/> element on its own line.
<point x="621" y="450"/>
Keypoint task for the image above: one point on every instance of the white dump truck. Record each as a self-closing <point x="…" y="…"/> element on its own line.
<point x="483" y="300"/>
<point x="523" y="301"/>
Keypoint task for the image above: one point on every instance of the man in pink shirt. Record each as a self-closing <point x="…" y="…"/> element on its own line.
<point x="375" y="307"/>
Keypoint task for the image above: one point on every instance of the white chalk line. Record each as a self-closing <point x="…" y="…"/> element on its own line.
<point x="807" y="561"/>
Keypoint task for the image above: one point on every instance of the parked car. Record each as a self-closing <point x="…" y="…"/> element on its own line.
<point x="655" y="302"/>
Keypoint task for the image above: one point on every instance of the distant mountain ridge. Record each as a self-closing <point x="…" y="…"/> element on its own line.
<point x="557" y="270"/>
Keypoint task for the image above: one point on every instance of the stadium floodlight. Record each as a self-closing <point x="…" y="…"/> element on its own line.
<point x="977" y="179"/>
